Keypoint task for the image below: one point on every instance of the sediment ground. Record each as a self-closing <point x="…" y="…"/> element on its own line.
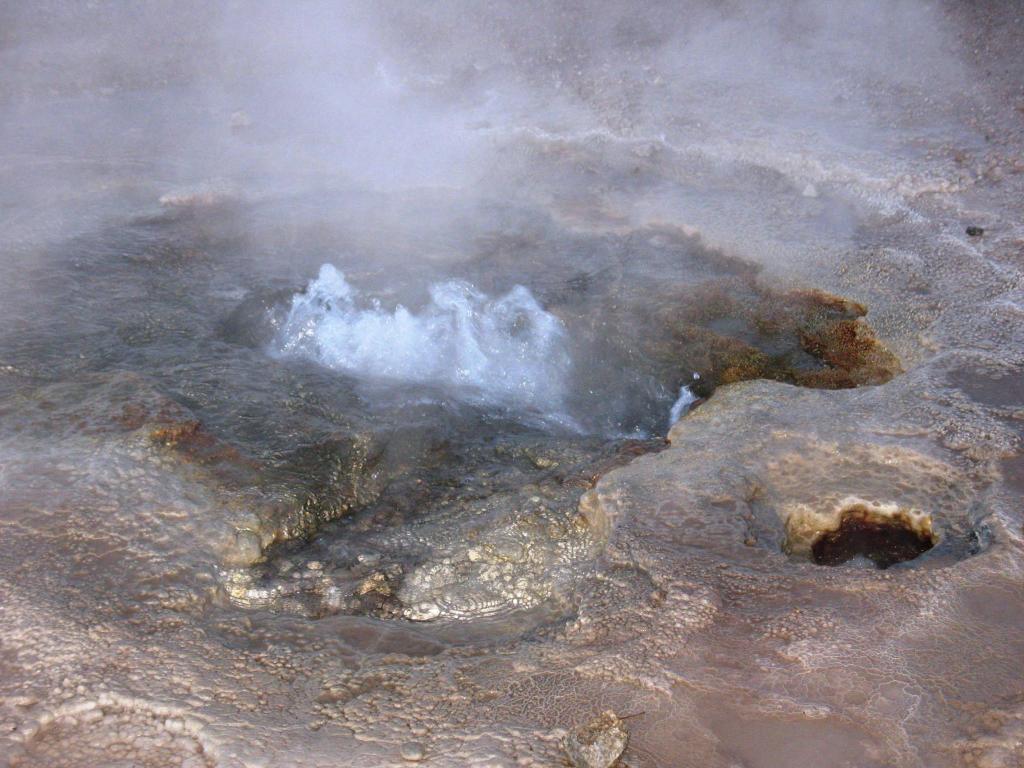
<point x="393" y="385"/>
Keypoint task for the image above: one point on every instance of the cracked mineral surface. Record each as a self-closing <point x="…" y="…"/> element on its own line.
<point x="338" y="344"/>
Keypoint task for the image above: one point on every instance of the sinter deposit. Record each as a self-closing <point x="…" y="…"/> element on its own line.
<point x="512" y="384"/>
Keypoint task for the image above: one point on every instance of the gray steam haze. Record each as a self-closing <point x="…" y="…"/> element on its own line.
<point x="338" y="342"/>
<point x="396" y="95"/>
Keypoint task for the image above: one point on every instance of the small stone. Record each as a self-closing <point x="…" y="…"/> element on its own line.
<point x="424" y="611"/>
<point x="412" y="751"/>
<point x="975" y="231"/>
<point x="376" y="582"/>
<point x="598" y="744"/>
<point x="244" y="549"/>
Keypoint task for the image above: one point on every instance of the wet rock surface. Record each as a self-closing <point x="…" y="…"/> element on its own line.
<point x="454" y="583"/>
<point x="213" y="555"/>
<point x="498" y="534"/>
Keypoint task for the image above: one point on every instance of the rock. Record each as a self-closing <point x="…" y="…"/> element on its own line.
<point x="257" y="317"/>
<point x="543" y="462"/>
<point x="412" y="751"/>
<point x="375" y="582"/>
<point x="598" y="744"/>
<point x="422" y="611"/>
<point x="243" y="550"/>
<point x="975" y="231"/>
<point x="736" y="330"/>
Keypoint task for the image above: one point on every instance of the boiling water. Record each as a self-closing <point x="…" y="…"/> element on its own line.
<point x="505" y="351"/>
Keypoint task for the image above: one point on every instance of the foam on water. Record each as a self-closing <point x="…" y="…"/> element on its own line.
<point x="505" y="351"/>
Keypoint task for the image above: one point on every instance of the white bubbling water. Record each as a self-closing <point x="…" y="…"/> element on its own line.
<point x="505" y="351"/>
<point x="682" y="404"/>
